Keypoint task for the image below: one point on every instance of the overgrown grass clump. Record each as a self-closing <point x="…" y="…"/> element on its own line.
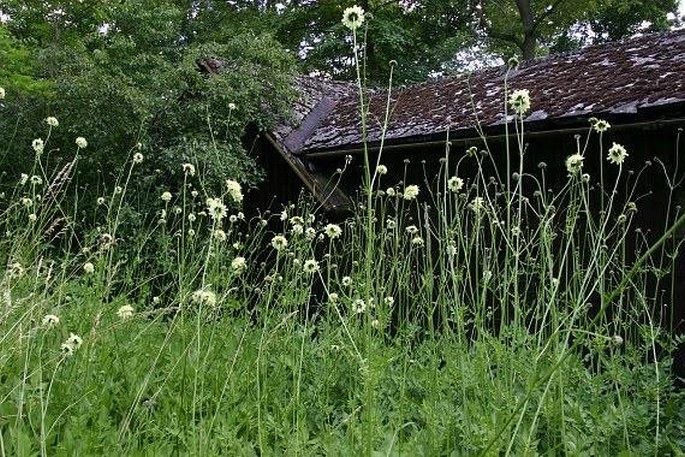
<point x="455" y="316"/>
<point x="477" y="331"/>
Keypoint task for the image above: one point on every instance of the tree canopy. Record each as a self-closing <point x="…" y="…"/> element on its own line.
<point x="126" y="76"/>
<point x="429" y="36"/>
<point x="529" y="27"/>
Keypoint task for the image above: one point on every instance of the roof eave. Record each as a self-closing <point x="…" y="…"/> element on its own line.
<point x="329" y="196"/>
<point x="466" y="137"/>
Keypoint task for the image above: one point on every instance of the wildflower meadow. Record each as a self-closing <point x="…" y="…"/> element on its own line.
<point x="455" y="316"/>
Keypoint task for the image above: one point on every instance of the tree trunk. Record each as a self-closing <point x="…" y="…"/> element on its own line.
<point x="529" y="46"/>
<point x="529" y="35"/>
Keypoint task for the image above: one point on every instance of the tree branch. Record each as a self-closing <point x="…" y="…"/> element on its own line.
<point x="492" y="33"/>
<point x="547" y="13"/>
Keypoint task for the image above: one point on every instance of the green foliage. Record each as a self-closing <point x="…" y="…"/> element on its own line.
<point x="616" y="19"/>
<point x="182" y="332"/>
<point x="125" y="76"/>
<point x="426" y="36"/>
<point x="420" y="38"/>
<point x="18" y="69"/>
<point x="566" y="24"/>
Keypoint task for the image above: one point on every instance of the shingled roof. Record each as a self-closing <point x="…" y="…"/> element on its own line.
<point x="626" y="79"/>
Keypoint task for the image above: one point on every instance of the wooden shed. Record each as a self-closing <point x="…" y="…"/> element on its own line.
<point x="637" y="85"/>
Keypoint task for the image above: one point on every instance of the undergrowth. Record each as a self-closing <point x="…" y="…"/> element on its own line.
<point x="459" y="316"/>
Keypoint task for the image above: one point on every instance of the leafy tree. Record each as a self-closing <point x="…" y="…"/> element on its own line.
<point x="616" y="19"/>
<point x="17" y="72"/>
<point x="523" y="26"/>
<point x="126" y="76"/>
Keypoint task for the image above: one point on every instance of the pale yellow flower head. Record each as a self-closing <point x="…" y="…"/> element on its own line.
<point x="310" y="266"/>
<point x="455" y="184"/>
<point x="574" y="163"/>
<point x="279" y="242"/>
<point x="599" y="125"/>
<point x="353" y="17"/>
<point x="125" y="312"/>
<point x="81" y="142"/>
<point x="332" y="230"/>
<point x="204" y="297"/>
<point x="38" y="145"/>
<point x="519" y="100"/>
<point x="617" y="154"/>
<point x="234" y="190"/>
<point x="71" y="344"/>
<point x="50" y="320"/>
<point x="411" y="192"/>
<point x="238" y="265"/>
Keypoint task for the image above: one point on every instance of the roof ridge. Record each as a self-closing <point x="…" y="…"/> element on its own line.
<point x="545" y="59"/>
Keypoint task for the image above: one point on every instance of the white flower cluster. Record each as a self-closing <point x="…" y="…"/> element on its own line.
<point x="574" y="163"/>
<point x="332" y="231"/>
<point x="71" y="344"/>
<point x="617" y="154"/>
<point x="234" y="190"/>
<point x="38" y="146"/>
<point x="477" y="204"/>
<point x="455" y="184"/>
<point x="204" y="297"/>
<point x="238" y="265"/>
<point x="310" y="266"/>
<point x="217" y="209"/>
<point x="81" y="142"/>
<point x="359" y="306"/>
<point x="279" y="242"/>
<point x="125" y="312"/>
<point x="599" y="125"/>
<point x="50" y="321"/>
<point x="411" y="192"/>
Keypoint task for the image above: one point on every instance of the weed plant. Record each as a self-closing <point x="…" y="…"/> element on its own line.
<point x="458" y="316"/>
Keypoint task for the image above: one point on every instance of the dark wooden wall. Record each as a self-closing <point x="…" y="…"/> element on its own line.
<point x="652" y="152"/>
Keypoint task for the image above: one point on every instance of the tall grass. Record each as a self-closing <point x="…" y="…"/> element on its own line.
<point x="481" y="317"/>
